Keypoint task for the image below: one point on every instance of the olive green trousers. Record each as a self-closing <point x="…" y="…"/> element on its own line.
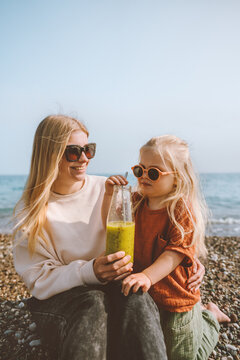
<point x="189" y="335"/>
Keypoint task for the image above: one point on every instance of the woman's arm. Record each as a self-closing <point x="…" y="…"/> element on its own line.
<point x="194" y="282"/>
<point x="45" y="275"/>
<point x="161" y="267"/>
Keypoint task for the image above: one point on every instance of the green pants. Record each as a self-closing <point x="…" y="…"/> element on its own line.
<point x="190" y="335"/>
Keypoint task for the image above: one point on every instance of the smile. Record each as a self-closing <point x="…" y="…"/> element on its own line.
<point x="79" y="167"/>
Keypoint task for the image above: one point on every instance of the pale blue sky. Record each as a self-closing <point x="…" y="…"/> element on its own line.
<point x="129" y="69"/>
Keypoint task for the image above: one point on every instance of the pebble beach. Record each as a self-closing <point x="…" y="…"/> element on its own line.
<point x="19" y="339"/>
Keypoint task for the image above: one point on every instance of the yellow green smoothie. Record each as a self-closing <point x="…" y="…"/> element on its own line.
<point x="120" y="236"/>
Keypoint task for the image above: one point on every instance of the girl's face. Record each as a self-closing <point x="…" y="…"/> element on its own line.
<point x="72" y="174"/>
<point x="155" y="190"/>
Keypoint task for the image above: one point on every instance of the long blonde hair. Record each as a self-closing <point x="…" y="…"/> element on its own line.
<point x="175" y="152"/>
<point x="49" y="144"/>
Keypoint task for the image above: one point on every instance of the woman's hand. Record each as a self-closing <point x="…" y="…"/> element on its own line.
<point x="114" y="180"/>
<point x="110" y="267"/>
<point x="194" y="282"/>
<point x="136" y="281"/>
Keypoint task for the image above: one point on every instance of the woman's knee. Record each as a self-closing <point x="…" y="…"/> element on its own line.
<point x="142" y="303"/>
<point x="92" y="308"/>
<point x="95" y="300"/>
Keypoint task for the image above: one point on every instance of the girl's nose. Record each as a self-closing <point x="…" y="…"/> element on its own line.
<point x="144" y="175"/>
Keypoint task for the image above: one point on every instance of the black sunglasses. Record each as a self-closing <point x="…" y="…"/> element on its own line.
<point x="74" y="152"/>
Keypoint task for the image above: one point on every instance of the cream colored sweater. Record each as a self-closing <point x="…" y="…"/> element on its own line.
<point x="75" y="237"/>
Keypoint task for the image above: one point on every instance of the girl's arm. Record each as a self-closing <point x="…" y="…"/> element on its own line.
<point x="110" y="182"/>
<point x="162" y="267"/>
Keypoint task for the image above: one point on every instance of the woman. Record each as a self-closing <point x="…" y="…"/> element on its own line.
<point x="59" y="238"/>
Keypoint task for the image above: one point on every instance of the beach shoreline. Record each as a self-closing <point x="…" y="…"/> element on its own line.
<point x="220" y="285"/>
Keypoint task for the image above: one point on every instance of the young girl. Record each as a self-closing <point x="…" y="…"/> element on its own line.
<point x="170" y="220"/>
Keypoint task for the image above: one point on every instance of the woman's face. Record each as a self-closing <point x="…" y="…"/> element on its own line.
<point x="71" y="173"/>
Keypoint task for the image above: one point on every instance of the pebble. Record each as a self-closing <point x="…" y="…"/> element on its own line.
<point x="21" y="305"/>
<point x="35" y="343"/>
<point x="214" y="257"/>
<point x="32" y="327"/>
<point x="224" y="336"/>
<point x="7" y="332"/>
<point x="233" y="318"/>
<point x="19" y="334"/>
<point x="231" y="347"/>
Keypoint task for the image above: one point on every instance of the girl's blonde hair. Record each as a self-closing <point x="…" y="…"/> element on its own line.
<point x="49" y="144"/>
<point x="175" y="152"/>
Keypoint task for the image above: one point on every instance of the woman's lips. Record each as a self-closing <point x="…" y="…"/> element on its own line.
<point x="79" y="168"/>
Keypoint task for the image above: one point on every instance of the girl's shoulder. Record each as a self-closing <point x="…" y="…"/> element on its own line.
<point x="181" y="227"/>
<point x="183" y="209"/>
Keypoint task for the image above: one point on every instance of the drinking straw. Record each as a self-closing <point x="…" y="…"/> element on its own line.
<point x="124" y="212"/>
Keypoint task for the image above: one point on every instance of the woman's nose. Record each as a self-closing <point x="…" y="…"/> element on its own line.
<point x="83" y="157"/>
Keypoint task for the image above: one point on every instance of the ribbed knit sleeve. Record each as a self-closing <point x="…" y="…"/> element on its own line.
<point x="45" y="275"/>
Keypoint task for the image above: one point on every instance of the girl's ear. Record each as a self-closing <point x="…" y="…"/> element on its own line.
<point x="176" y="181"/>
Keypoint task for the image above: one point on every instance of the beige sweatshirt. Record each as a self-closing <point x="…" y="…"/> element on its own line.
<point x="75" y="237"/>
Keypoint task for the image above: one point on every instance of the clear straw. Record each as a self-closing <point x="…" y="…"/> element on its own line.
<point x="123" y="202"/>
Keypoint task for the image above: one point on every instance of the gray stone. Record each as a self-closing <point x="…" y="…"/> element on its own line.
<point x="230" y="347"/>
<point x="35" y="343"/>
<point x="19" y="334"/>
<point x="21" y="305"/>
<point x="214" y="257"/>
<point x="32" y="327"/>
<point x="7" y="332"/>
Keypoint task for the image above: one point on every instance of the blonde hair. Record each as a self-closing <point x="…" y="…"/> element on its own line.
<point x="49" y="144"/>
<point x="175" y="152"/>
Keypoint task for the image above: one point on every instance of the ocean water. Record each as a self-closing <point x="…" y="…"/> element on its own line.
<point x="222" y="193"/>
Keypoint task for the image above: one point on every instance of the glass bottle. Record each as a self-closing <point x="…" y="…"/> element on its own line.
<point x="120" y="223"/>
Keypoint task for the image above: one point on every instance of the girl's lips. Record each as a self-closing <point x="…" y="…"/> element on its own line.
<point x="145" y="183"/>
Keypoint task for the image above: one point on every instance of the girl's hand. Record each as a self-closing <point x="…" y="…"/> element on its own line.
<point x="114" y="180"/>
<point x="109" y="267"/>
<point x="194" y="282"/>
<point x="136" y="281"/>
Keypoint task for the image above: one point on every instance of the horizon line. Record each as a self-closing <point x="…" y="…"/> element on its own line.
<point x="107" y="172"/>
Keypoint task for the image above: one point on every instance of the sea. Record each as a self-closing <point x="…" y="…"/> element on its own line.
<point x="221" y="191"/>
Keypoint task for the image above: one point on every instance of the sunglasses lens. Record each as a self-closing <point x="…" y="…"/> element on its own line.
<point x="153" y="174"/>
<point x="137" y="171"/>
<point x="90" y="150"/>
<point x="73" y="153"/>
